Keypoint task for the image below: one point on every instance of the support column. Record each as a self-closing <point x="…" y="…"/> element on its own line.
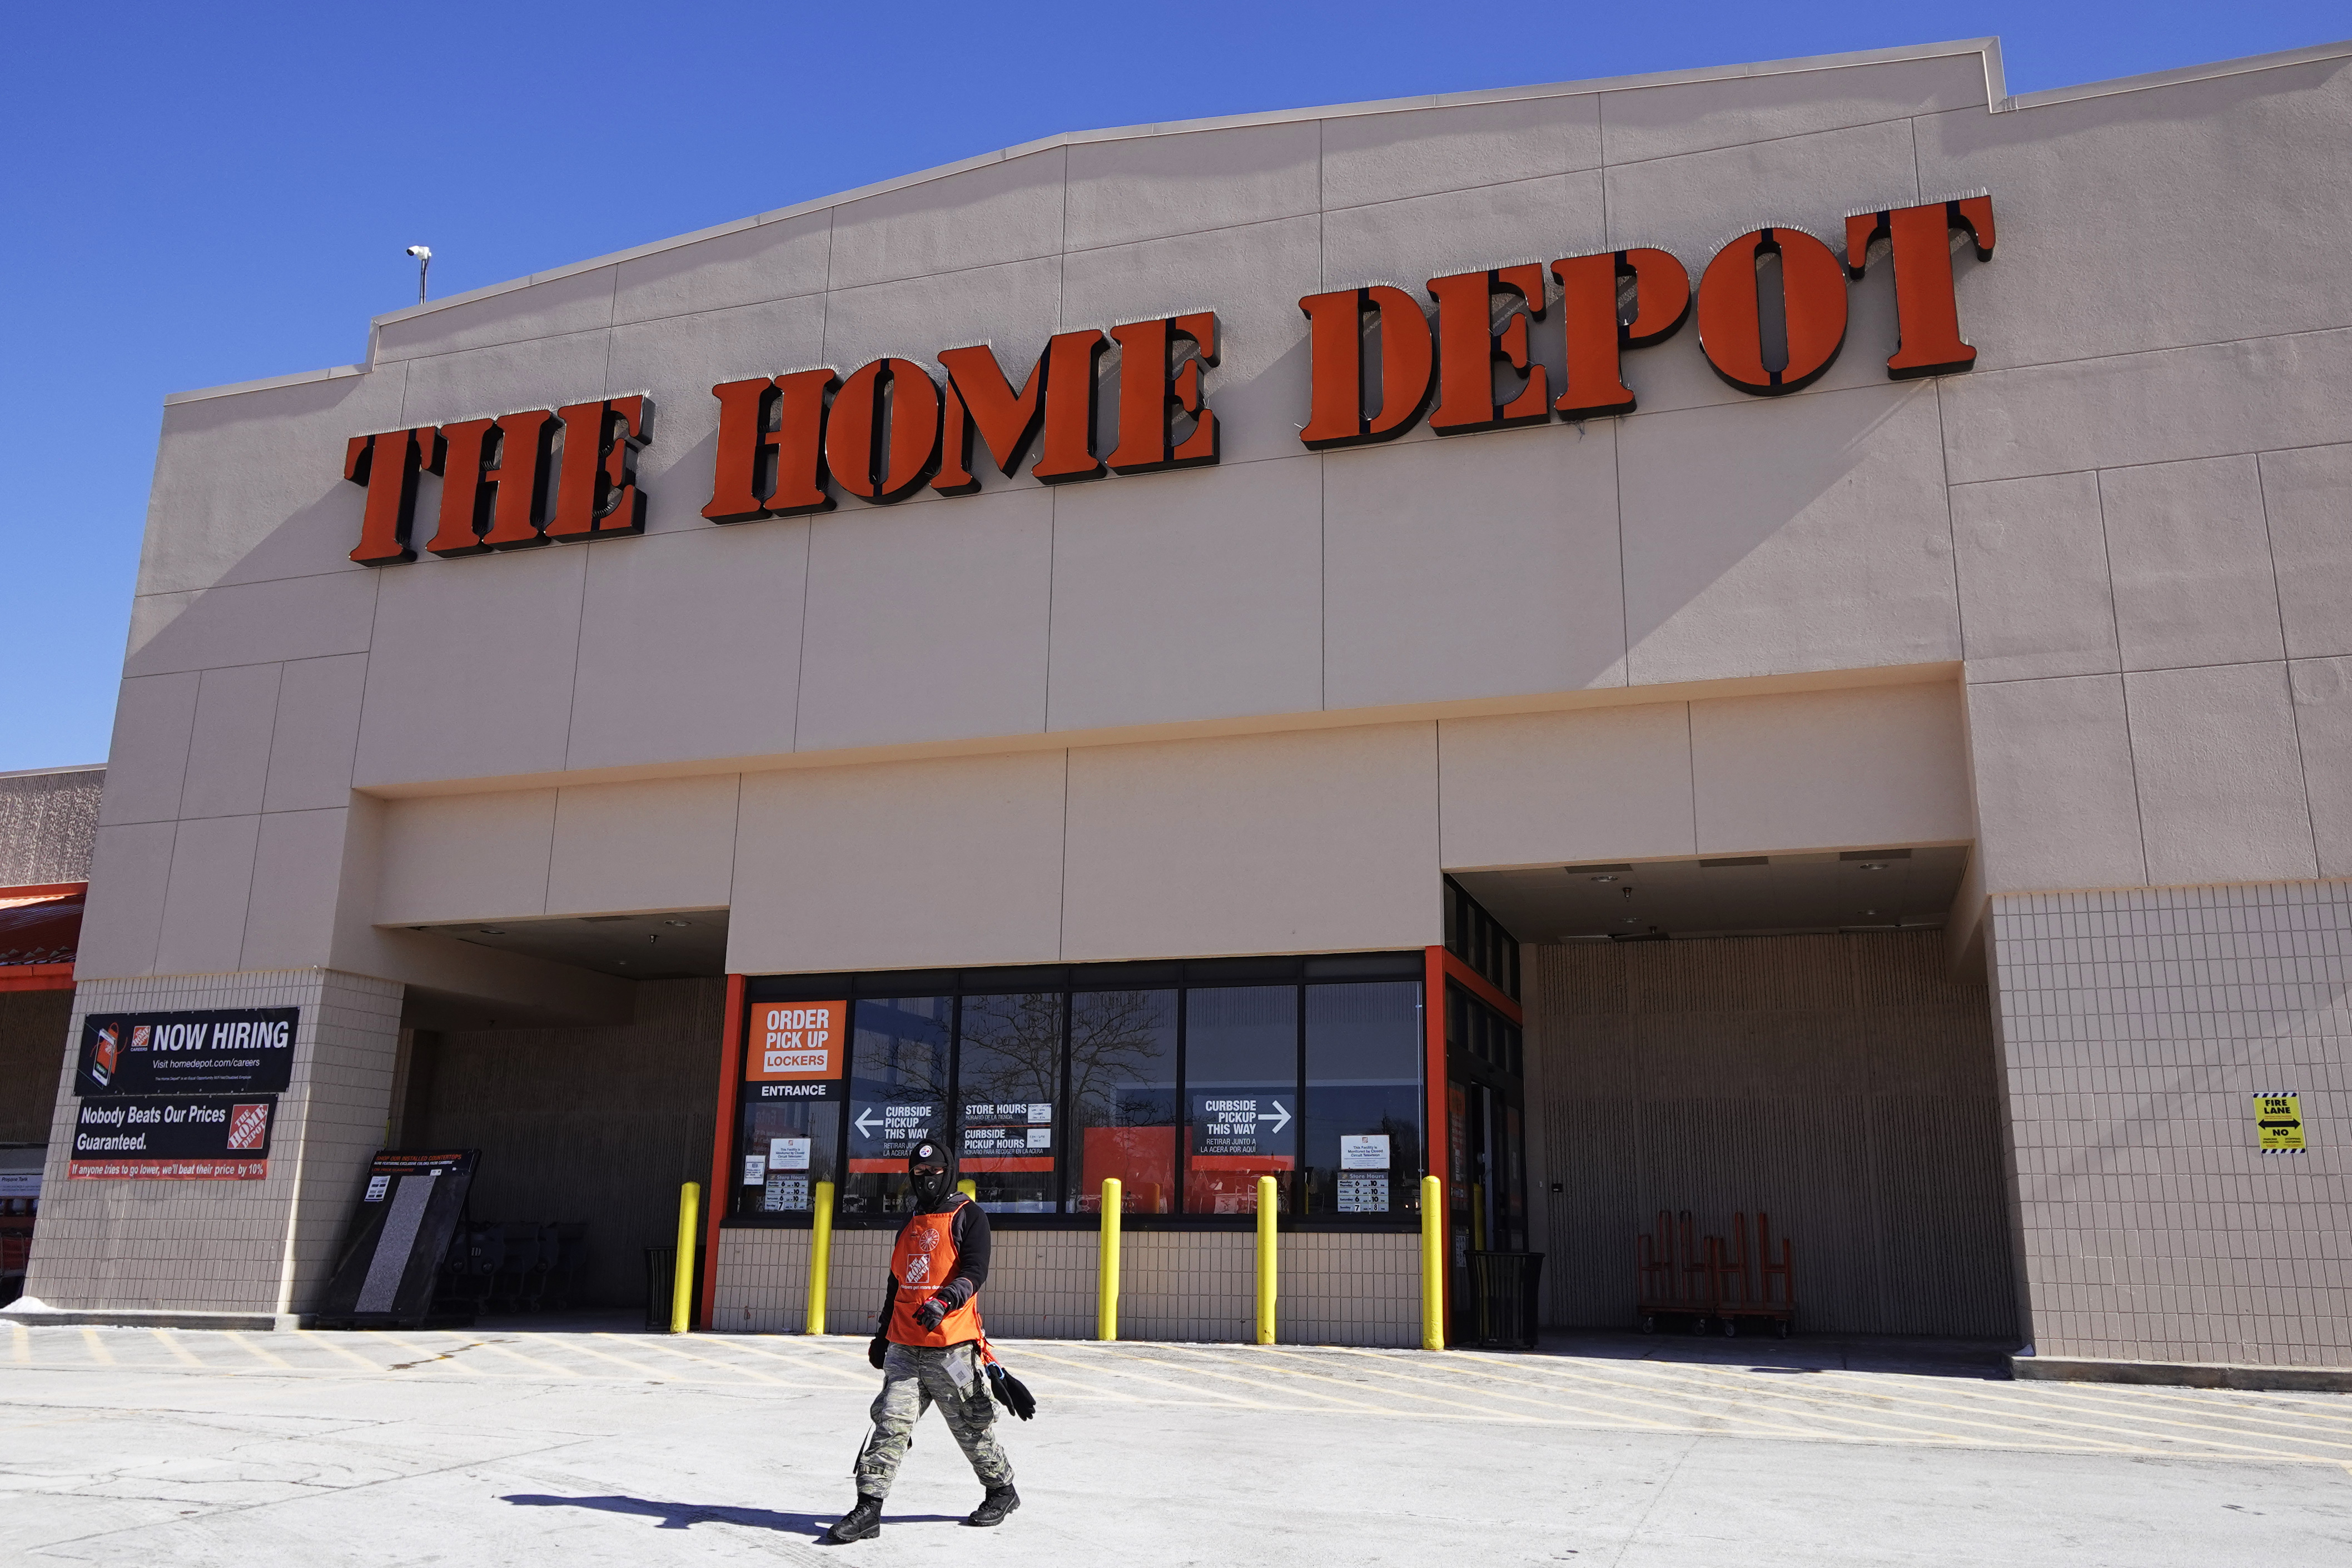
<point x="256" y="1248"/>
<point x="2137" y="1028"/>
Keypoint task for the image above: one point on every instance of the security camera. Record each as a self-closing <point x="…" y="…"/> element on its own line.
<point x="421" y="252"/>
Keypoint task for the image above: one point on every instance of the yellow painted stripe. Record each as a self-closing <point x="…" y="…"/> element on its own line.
<point x="547" y="1366"/>
<point x="650" y="1343"/>
<point x="326" y="1340"/>
<point x="266" y="1357"/>
<point x="170" y="1342"/>
<point x="802" y="1360"/>
<point x="21" y="1341"/>
<point x="97" y="1350"/>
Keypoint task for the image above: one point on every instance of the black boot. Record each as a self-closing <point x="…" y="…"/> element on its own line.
<point x="860" y="1523"/>
<point x="1000" y="1501"/>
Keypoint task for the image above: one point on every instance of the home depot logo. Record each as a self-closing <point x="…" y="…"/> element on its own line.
<point x="787" y="444"/>
<point x="248" y="1126"/>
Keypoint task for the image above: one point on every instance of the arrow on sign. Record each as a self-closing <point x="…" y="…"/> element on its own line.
<point x="1281" y="1118"/>
<point x="860" y="1123"/>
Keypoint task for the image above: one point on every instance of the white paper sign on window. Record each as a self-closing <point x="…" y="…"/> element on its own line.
<point x="1364" y="1151"/>
<point x="755" y="1169"/>
<point x="788" y="1154"/>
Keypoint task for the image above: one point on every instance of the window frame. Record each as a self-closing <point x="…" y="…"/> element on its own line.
<point x="1296" y="973"/>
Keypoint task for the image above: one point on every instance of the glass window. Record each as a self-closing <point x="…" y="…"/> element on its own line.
<point x="898" y="1095"/>
<point x="1364" y="1052"/>
<point x="1008" y="1083"/>
<point x="789" y="1145"/>
<point x="1241" y="1088"/>
<point x="1123" y="1098"/>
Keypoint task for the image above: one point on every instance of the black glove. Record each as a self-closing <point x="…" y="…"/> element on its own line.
<point x="876" y="1351"/>
<point x="1011" y="1392"/>
<point x="932" y="1313"/>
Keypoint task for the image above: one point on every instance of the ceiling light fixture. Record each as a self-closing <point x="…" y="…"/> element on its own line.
<point x="1609" y="877"/>
<point x="1872" y="865"/>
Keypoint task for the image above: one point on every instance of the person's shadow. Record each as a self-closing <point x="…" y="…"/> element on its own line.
<point x="686" y="1515"/>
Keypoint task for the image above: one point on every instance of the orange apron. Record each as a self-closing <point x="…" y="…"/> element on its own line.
<point x="923" y="1262"/>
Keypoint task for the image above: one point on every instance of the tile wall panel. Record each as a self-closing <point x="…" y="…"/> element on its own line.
<point x="2135" y="1027"/>
<point x="262" y="1246"/>
<point x="1188" y="1287"/>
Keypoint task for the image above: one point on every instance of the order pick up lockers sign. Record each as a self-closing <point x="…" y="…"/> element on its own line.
<point x="787" y="444"/>
<point x="185" y="1096"/>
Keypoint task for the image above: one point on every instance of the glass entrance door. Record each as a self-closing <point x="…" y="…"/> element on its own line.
<point x="1487" y="1190"/>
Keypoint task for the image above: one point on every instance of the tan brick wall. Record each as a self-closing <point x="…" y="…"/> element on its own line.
<point x="2137" y="1026"/>
<point x="1189" y="1286"/>
<point x="228" y="1246"/>
<point x="33" y="1035"/>
<point x="594" y="1124"/>
<point x="1844" y="1084"/>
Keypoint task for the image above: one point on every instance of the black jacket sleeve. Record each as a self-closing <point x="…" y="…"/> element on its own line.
<point x="971" y="1235"/>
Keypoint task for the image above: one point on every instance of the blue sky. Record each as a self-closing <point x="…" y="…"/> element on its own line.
<point x="198" y="195"/>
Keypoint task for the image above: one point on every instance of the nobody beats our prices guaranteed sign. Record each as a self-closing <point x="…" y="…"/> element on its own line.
<point x="159" y="1139"/>
<point x="1478" y="358"/>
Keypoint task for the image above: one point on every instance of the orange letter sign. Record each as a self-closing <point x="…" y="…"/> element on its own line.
<point x="1730" y="327"/>
<point x="1927" y="311"/>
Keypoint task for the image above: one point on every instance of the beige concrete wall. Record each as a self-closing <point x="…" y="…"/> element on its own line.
<point x="2118" y="523"/>
<point x="1846" y="1085"/>
<point x="1863" y="766"/>
<point x="229" y="1246"/>
<point x="2135" y="1027"/>
<point x="1190" y="1286"/>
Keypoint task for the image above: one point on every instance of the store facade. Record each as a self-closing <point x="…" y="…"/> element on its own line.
<point x="1762" y="639"/>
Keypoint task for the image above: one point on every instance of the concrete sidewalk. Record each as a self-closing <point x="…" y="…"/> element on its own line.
<point x="508" y="1445"/>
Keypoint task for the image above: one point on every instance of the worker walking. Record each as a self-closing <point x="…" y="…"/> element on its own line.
<point x="930" y="1350"/>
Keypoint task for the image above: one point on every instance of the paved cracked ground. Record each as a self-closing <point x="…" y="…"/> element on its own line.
<point x="497" y="1445"/>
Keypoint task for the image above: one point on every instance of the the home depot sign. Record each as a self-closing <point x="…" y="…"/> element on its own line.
<point x="788" y="442"/>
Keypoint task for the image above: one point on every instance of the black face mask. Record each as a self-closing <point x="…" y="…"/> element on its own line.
<point x="931" y="1172"/>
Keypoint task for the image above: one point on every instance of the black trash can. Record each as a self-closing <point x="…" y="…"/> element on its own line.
<point x="1503" y="1298"/>
<point x="661" y="1277"/>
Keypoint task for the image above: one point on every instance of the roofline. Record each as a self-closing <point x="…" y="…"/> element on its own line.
<point x="1997" y="102"/>
<point x="69" y="768"/>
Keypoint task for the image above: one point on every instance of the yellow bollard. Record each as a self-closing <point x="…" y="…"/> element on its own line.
<point x="820" y="1258"/>
<point x="1107" y="1284"/>
<point x="681" y="1285"/>
<point x="1432" y="1263"/>
<point x="1266" y="1203"/>
<point x="969" y="1188"/>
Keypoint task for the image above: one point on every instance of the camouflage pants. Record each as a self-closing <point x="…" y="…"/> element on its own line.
<point x="913" y="1379"/>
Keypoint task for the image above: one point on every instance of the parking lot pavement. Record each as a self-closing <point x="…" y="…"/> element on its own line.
<point x="511" y="1445"/>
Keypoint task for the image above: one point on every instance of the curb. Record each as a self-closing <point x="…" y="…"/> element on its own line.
<point x="2182" y="1375"/>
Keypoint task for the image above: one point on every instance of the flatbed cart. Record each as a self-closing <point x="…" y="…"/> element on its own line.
<point x="1710" y="1281"/>
<point x="1768" y="1294"/>
<point x="1670" y="1276"/>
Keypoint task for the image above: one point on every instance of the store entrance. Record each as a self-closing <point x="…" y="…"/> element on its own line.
<point x="1487" y="1185"/>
